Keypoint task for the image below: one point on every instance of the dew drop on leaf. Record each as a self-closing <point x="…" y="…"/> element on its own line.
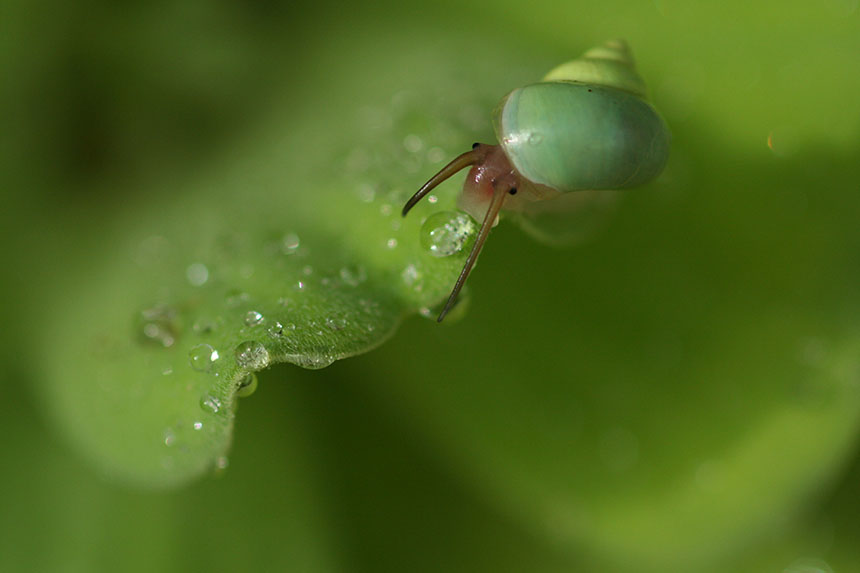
<point x="290" y="243"/>
<point x="446" y="232"/>
<point x="202" y="357"/>
<point x="275" y="330"/>
<point x="253" y="318"/>
<point x="252" y="355"/>
<point x="210" y="403"/>
<point x="247" y="386"/>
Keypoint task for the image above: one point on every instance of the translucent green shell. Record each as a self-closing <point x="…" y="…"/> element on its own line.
<point x="586" y="126"/>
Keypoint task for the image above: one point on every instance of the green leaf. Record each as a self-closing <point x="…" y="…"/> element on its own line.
<point x="266" y="260"/>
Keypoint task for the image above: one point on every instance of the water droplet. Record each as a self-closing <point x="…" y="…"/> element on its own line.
<point x="535" y="138"/>
<point x="252" y="355"/>
<point x="335" y="323"/>
<point x="314" y="362"/>
<point x="221" y="462"/>
<point x="432" y="199"/>
<point x="167" y="371"/>
<point x="410" y="274"/>
<point x="412" y="143"/>
<point x="210" y="403"/>
<point x="300" y="285"/>
<point x="446" y="232"/>
<point x="391" y="243"/>
<point x="202" y="357"/>
<point x="290" y="243"/>
<point x="159" y="325"/>
<point x="276" y="330"/>
<point x="197" y="274"/>
<point x="198" y="425"/>
<point x="169" y="437"/>
<point x="353" y="275"/>
<point x="253" y="318"/>
<point x="247" y="386"/>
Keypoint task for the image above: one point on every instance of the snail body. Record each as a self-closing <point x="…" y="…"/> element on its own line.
<point x="586" y="126"/>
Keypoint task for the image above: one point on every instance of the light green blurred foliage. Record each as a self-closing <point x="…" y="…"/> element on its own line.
<point x="679" y="392"/>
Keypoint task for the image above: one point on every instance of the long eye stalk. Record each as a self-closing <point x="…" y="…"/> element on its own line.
<point x="492" y="211"/>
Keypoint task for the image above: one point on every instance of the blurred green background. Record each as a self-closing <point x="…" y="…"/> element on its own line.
<point x="681" y="392"/>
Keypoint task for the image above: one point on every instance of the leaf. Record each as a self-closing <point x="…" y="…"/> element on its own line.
<point x="265" y="260"/>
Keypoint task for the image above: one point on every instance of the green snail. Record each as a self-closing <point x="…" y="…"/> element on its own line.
<point x="585" y="126"/>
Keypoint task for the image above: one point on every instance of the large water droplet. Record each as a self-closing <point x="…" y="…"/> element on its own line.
<point x="247" y="386"/>
<point x="202" y="357"/>
<point x="253" y="318"/>
<point x="210" y="403"/>
<point x="252" y="355"/>
<point x="446" y="232"/>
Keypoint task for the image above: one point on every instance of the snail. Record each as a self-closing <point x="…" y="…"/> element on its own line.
<point x="585" y="126"/>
